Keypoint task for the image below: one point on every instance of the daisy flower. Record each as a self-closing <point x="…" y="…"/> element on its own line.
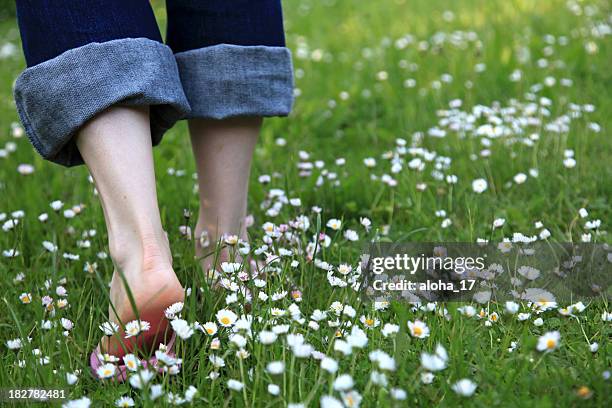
<point x="78" y="403"/>
<point x="231" y="239"/>
<point x="267" y="337"/>
<point x="182" y="328"/>
<point x="72" y="378"/>
<point x="242" y="354"/>
<point x="135" y="327"/>
<point x="106" y="371"/>
<point x="549" y="341"/>
<point x="226" y="317"/>
<point x="131" y="362"/>
<point x="468" y="311"/>
<point x="330" y="365"/>
<point x="512" y="307"/>
<point x="398" y="394"/>
<point x="427" y="377"/>
<point x="25" y="169"/>
<point x="173" y="310"/>
<point x="217" y="362"/>
<point x="384" y="360"/>
<point x="436" y="361"/>
<point x="357" y="338"/>
<point x="343" y="382"/>
<point x="344" y="269"/>
<point x="418" y="329"/>
<point x="14" y="344"/>
<point x="109" y="328"/>
<point x="234" y="385"/>
<point x="275" y="367"/>
<point x="276" y="312"/>
<point x="327" y="401"/>
<point x="464" y="387"/>
<point x="369" y="162"/>
<point x="369" y="322"/>
<point x="479" y="185"/>
<point x="498" y="222"/>
<point x="124" y="402"/>
<point x="210" y="328"/>
<point x="142" y="378"/>
<point x="366" y="223"/>
<point x="334" y="224"/>
<point x="389" y="329"/>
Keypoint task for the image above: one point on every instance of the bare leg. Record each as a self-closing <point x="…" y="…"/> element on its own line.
<point x="116" y="146"/>
<point x="223" y="151"/>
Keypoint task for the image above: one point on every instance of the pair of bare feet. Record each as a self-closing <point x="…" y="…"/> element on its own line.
<point x="116" y="147"/>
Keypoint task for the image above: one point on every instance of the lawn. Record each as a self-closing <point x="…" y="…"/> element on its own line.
<point x="432" y="120"/>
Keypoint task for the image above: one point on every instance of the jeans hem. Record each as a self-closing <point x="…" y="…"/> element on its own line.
<point x="225" y="80"/>
<point x="57" y="97"/>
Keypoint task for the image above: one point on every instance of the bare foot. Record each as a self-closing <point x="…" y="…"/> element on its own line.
<point x="153" y="286"/>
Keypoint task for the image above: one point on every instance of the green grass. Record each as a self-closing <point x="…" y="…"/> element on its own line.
<point x="344" y="46"/>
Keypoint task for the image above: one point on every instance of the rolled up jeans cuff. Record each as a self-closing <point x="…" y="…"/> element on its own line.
<point x="224" y="80"/>
<point x="56" y="97"/>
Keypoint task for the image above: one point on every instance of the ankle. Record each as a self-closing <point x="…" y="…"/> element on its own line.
<point x="214" y="249"/>
<point x="140" y="252"/>
<point x="210" y="235"/>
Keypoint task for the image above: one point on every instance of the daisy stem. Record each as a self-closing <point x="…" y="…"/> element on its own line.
<point x="539" y="361"/>
<point x="300" y="382"/>
<point x="353" y="363"/>
<point x="243" y="378"/>
<point x="285" y="375"/>
<point x="366" y="390"/>
<point x="257" y="376"/>
<point x="314" y="389"/>
<point x="292" y="367"/>
<point x="582" y="329"/>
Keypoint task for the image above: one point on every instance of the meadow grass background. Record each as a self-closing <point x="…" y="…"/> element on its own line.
<point x="355" y="97"/>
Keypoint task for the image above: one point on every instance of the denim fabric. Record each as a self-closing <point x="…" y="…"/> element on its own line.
<point x="56" y="97"/>
<point x="197" y="24"/>
<point x="85" y="56"/>
<point x="229" y="80"/>
<point x="50" y="27"/>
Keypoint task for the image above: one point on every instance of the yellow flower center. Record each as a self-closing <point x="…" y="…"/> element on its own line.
<point x="584" y="391"/>
<point x="417" y="331"/>
<point x="209" y="331"/>
<point x="225" y="320"/>
<point x="550" y="344"/>
<point x="369" y="322"/>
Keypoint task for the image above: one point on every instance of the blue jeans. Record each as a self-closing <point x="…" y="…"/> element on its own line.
<point x="223" y="58"/>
